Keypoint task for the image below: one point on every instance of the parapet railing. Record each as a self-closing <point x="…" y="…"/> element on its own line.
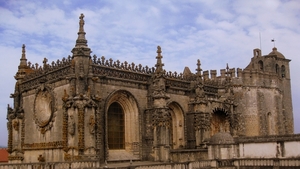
<point x="52" y="165"/>
<point x="204" y="164"/>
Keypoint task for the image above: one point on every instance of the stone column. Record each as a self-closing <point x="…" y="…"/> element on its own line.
<point x="161" y="123"/>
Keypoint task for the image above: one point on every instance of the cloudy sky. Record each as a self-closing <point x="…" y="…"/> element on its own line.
<point x="215" y="31"/>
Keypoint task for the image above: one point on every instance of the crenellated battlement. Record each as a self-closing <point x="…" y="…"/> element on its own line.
<point x="224" y="73"/>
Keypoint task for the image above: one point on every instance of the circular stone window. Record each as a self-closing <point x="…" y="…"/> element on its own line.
<point x="43" y="108"/>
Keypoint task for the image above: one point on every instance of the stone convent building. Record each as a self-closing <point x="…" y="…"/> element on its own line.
<point x="84" y="107"/>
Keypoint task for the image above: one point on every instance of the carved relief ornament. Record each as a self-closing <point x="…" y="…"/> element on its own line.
<point x="44" y="108"/>
<point x="161" y="117"/>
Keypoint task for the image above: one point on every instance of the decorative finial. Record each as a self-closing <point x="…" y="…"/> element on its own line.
<point x="45" y="62"/>
<point x="159" y="65"/>
<point x="81" y="41"/>
<point x="198" y="67"/>
<point x="227" y="70"/>
<point x="23" y="52"/>
<point x="158" y="50"/>
<point x="23" y="60"/>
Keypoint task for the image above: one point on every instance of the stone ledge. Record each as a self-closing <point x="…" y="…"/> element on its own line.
<point x="262" y="139"/>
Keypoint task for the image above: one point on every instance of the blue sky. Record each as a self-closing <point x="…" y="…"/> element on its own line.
<point x="215" y="31"/>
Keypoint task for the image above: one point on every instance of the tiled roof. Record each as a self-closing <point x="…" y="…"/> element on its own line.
<point x="3" y="155"/>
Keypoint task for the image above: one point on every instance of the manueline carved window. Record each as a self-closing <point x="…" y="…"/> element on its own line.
<point x="116" y="127"/>
<point x="219" y="122"/>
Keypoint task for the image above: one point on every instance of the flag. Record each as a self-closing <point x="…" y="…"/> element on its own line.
<point x="272" y="40"/>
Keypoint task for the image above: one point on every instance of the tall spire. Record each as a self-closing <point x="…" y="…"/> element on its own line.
<point x="23" y="67"/>
<point x="159" y="65"/>
<point x="81" y="48"/>
<point x="23" y="60"/>
<point x="81" y="41"/>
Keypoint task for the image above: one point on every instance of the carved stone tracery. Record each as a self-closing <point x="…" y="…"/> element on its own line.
<point x="161" y="117"/>
<point x="202" y="121"/>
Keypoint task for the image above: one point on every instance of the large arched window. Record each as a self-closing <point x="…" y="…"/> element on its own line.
<point x="116" y="128"/>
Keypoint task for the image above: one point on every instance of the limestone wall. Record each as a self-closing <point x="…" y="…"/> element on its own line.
<point x="43" y="125"/>
<point x="257" y="150"/>
<point x="292" y="149"/>
<point x="51" y="155"/>
<point x="288" y="149"/>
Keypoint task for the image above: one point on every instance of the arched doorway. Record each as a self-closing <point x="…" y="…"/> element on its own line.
<point x="219" y="121"/>
<point x="177" y="132"/>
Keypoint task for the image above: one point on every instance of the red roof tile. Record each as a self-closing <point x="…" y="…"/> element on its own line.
<point x="3" y="155"/>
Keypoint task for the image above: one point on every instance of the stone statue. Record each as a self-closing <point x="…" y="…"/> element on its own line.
<point x="92" y="124"/>
<point x="71" y="125"/>
<point x="278" y="150"/>
<point x="81" y="23"/>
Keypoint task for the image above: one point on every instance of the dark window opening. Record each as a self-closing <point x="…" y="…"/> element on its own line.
<point x="116" y="127"/>
<point x="282" y="71"/>
<point x="277" y="68"/>
<point x="261" y="65"/>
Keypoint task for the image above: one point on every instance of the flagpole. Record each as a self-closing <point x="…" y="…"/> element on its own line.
<point x="273" y="40"/>
<point x="259" y="41"/>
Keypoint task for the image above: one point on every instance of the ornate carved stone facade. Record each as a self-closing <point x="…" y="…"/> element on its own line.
<point x="61" y="110"/>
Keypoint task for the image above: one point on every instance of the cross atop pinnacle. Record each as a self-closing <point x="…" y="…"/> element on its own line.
<point x="159" y="65"/>
<point x="81" y="41"/>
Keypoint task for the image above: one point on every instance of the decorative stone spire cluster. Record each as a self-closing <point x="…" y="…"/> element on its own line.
<point x="159" y="65"/>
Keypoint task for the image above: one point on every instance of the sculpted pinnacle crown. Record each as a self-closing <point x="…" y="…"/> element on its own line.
<point x="81" y="23"/>
<point x="81" y="41"/>
<point x="198" y="67"/>
<point x="159" y="65"/>
<point x="23" y="60"/>
<point x="81" y="47"/>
